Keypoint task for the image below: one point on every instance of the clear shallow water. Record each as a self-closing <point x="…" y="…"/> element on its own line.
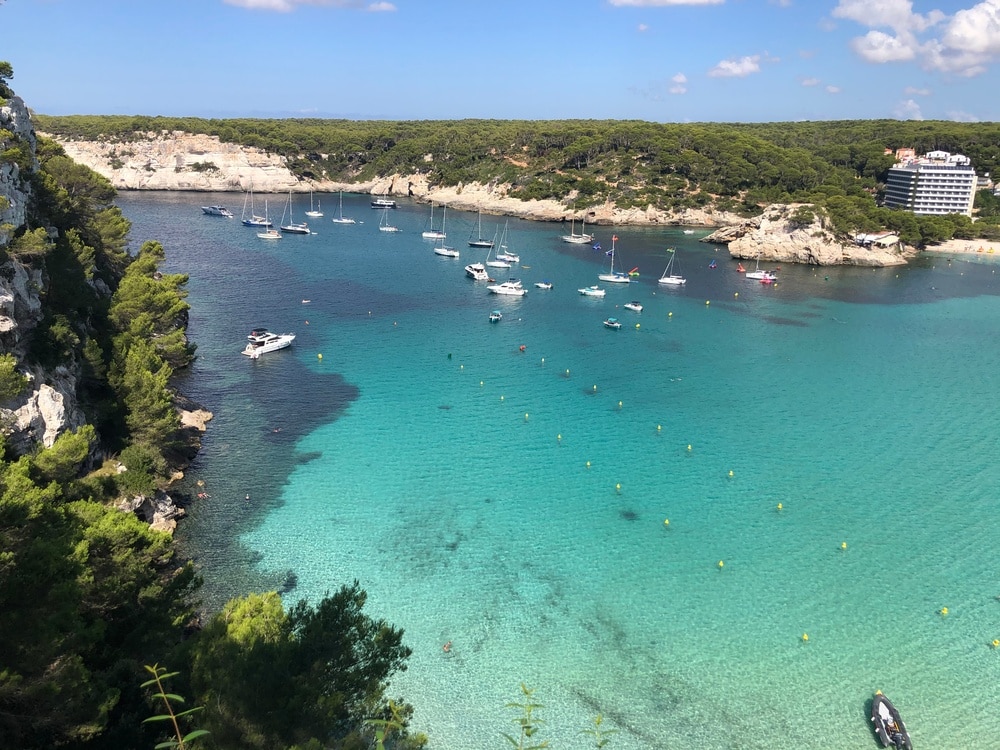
<point x="446" y="470"/>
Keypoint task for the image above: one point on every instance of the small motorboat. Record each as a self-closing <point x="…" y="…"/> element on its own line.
<point x="633" y="305"/>
<point x="713" y="264"/>
<point x="592" y="291"/>
<point x="888" y="725"/>
<point x="613" y="323"/>
<point x="217" y="211"/>
<point x="496" y="316"/>
<point x="543" y="284"/>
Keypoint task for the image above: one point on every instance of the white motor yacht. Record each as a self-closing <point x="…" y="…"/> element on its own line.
<point x="261" y="341"/>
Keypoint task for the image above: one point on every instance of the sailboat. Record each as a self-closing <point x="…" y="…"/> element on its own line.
<point x="760" y="275"/>
<point x="480" y="241"/>
<point x="431" y="233"/>
<point x="441" y="248"/>
<point x="252" y="219"/>
<point x="669" y="277"/>
<point x="384" y="225"/>
<point x="613" y="276"/>
<point x="505" y="255"/>
<point x="495" y="261"/>
<point x="291" y="227"/>
<point x="339" y="218"/>
<point x="577" y="239"/>
<point x="269" y="233"/>
<point x="314" y="213"/>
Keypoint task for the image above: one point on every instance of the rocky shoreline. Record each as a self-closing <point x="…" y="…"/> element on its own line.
<point x="202" y="163"/>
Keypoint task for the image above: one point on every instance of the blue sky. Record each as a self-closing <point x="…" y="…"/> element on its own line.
<point x="656" y="60"/>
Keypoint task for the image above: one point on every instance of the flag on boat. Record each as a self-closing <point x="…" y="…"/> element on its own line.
<point x="614" y="238"/>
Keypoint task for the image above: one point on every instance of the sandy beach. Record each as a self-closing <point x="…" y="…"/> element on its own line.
<point x="968" y="247"/>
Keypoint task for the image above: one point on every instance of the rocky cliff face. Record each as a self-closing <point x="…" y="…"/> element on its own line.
<point x="780" y="235"/>
<point x="185" y="161"/>
<point x="48" y="406"/>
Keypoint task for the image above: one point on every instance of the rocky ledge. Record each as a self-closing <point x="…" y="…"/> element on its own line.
<point x="795" y="233"/>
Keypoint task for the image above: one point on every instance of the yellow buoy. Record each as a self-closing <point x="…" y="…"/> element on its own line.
<point x="707" y="302"/>
<point x="588" y="464"/>
<point x="595" y="388"/>
<point x="689" y="447"/>
<point x="618" y="487"/>
<point x="567" y="371"/>
<point x="319" y="356"/>
<point x="670" y="315"/>
<point x="543" y="360"/>
<point x="736" y="294"/>
<point x="780" y="506"/>
<point x="666" y="521"/>
<point x="721" y="565"/>
<point x="501" y="398"/>
<point x="461" y="367"/>
<point x="637" y="326"/>
<point x="944" y="611"/>
<point x="659" y="428"/>
<point x="559" y="436"/>
<point x="996" y="643"/>
<point x="619" y="404"/>
<point x="843" y="545"/>
<point x="480" y="382"/>
<point x="805" y="637"/>
<point x="730" y="472"/>
<point x="525" y="416"/>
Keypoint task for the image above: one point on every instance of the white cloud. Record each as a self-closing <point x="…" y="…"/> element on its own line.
<point x="914" y="91"/>
<point x="897" y="15"/>
<point x="810" y="82"/>
<point x="287" y="6"/>
<point x="879" y="47"/>
<point x="908" y="110"/>
<point x="662" y="3"/>
<point x="642" y="28"/>
<point x="968" y="44"/>
<point x="959" y="116"/>
<point x="736" y="68"/>
<point x="782" y="3"/>
<point x="833" y="89"/>
<point x="679" y="84"/>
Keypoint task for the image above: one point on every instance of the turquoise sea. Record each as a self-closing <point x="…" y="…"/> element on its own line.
<point x="513" y="502"/>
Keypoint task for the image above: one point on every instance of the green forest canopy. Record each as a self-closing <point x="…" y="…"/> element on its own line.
<point x="839" y="166"/>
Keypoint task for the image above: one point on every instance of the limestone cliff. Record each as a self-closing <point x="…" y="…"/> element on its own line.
<point x="49" y="405"/>
<point x="186" y="161"/>
<point x="784" y="233"/>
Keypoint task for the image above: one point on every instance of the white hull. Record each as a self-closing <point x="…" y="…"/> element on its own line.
<point x="343" y="221"/>
<point x="760" y="275"/>
<point x="217" y="211"/>
<point x="270" y="234"/>
<point x="592" y="291"/>
<point x="447" y="252"/>
<point x="508" y="288"/>
<point x="262" y="342"/>
<point x="673" y="280"/>
<point x="477" y="272"/>
<point x="433" y="235"/>
<point x="614" y="278"/>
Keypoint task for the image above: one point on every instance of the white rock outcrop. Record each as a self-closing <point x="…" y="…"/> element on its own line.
<point x="775" y="236"/>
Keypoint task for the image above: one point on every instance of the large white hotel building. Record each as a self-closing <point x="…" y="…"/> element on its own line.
<point x="937" y="183"/>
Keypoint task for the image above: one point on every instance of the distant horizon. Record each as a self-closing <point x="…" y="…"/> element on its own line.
<point x="661" y="61"/>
